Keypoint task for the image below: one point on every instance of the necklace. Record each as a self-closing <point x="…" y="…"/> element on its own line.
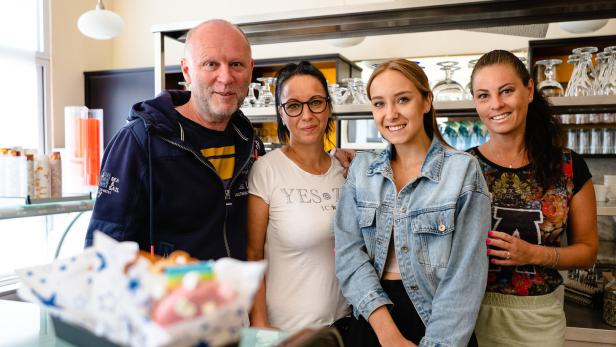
<point x="295" y="157"/>
<point x="502" y="160"/>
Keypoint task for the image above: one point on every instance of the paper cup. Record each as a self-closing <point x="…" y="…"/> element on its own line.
<point x="600" y="192"/>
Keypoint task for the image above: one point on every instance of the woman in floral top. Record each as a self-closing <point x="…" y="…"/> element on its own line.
<point x="540" y="191"/>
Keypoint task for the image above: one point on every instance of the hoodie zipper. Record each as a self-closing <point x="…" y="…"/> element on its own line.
<point x="227" y="191"/>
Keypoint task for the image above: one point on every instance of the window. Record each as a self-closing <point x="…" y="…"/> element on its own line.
<point x="24" y="61"/>
<point x="24" y="70"/>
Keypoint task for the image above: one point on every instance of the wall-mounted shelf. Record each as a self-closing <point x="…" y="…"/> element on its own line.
<point x="466" y="108"/>
<point x="33" y="210"/>
<point x="606" y="208"/>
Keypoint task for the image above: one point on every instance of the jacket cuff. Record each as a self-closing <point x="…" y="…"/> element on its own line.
<point x="372" y="301"/>
<point x="428" y="342"/>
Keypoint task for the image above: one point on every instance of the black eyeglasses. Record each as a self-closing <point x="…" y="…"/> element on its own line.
<point x="294" y="108"/>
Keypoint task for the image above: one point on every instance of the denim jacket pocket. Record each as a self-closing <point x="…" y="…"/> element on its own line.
<point x="367" y="225"/>
<point x="433" y="233"/>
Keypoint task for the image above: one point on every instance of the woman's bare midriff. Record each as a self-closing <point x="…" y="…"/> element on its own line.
<point x="392" y="276"/>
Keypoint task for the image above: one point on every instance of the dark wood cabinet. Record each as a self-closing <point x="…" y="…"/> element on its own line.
<point x="116" y="91"/>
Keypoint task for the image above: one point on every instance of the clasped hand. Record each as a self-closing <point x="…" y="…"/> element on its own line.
<point x="508" y="250"/>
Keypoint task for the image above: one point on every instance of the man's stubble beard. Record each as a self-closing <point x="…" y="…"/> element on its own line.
<point x="208" y="112"/>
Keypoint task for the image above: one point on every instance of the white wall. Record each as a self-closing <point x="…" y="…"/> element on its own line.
<point x="72" y="53"/>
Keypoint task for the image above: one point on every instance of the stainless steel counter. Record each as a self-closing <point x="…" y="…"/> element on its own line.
<point x="585" y="327"/>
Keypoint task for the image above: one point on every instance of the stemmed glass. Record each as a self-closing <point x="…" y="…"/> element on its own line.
<point x="608" y="85"/>
<point x="266" y="98"/>
<point x="574" y="60"/>
<point x="358" y="90"/>
<point x="250" y="100"/>
<point x="550" y="86"/>
<point x="581" y="83"/>
<point x="448" y="89"/>
<point x="467" y="90"/>
<point x="339" y="94"/>
<point x="601" y="68"/>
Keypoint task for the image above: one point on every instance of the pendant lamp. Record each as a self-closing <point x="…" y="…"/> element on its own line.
<point x="100" y="24"/>
<point x="584" y="26"/>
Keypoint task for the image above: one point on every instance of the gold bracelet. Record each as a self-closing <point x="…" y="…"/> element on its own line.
<point x="556" y="256"/>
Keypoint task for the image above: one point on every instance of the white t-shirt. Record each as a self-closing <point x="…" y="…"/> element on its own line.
<point x="301" y="286"/>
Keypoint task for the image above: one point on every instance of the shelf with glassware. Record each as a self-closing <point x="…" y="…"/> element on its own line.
<point x="580" y="67"/>
<point x="464" y="108"/>
<point x="258" y="104"/>
<point x="606" y="208"/>
<point x="458" y="119"/>
<point x="21" y="207"/>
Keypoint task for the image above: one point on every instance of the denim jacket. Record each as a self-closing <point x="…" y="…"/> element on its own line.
<point x="441" y="220"/>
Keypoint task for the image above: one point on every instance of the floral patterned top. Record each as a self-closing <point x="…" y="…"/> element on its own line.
<point x="523" y="209"/>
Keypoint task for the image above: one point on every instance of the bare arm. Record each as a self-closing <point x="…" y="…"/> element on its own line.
<point x="386" y="330"/>
<point x="258" y="217"/>
<point x="583" y="239"/>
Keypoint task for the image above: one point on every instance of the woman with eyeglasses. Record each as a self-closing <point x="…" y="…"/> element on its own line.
<point x="291" y="207"/>
<point x="410" y="225"/>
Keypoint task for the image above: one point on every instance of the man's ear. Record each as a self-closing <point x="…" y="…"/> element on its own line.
<point x="185" y="70"/>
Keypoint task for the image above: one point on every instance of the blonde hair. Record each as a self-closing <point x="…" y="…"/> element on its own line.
<point x="418" y="77"/>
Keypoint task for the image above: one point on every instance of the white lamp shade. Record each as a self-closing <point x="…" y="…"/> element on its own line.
<point x="583" y="26"/>
<point x="100" y="24"/>
<point x="347" y="41"/>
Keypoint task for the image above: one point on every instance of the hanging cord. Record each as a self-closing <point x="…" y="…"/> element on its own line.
<point x="150" y="196"/>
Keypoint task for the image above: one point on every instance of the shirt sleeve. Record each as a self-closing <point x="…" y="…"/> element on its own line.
<point x="260" y="179"/>
<point x="581" y="173"/>
<point x="467" y="269"/>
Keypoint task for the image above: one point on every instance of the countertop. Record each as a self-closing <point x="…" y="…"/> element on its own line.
<point x="586" y="325"/>
<point x="606" y="254"/>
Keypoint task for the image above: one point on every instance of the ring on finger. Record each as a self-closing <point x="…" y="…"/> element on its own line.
<point x="507" y="255"/>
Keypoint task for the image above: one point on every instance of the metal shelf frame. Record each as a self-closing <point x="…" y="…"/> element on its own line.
<point x="44" y="209"/>
<point x="404" y="16"/>
<point x="606" y="208"/>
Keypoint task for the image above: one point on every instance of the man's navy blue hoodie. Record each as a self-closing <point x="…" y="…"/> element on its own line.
<point x="157" y="190"/>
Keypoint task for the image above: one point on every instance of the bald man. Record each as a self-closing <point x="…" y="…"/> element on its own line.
<point x="174" y="178"/>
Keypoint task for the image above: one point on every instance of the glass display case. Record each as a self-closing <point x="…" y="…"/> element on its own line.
<point x="39" y="231"/>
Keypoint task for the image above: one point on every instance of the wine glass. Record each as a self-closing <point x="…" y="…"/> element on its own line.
<point x="468" y="93"/>
<point x="448" y="89"/>
<point x="550" y="86"/>
<point x="338" y="94"/>
<point x="573" y="59"/>
<point x="358" y="90"/>
<point x="581" y="83"/>
<point x="608" y="85"/>
<point x="266" y="98"/>
<point x="250" y="100"/>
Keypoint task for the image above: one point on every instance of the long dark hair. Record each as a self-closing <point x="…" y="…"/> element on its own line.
<point x="543" y="136"/>
<point x="418" y="77"/>
<point x="282" y="76"/>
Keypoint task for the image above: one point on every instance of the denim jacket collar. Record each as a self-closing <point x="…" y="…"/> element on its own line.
<point x="431" y="167"/>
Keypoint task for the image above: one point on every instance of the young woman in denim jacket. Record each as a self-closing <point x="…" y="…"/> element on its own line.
<point x="540" y="190"/>
<point x="410" y="225"/>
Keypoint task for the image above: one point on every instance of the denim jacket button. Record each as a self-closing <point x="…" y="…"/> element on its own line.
<point x="441" y="227"/>
<point x="414" y="287"/>
<point x="403" y="210"/>
<point x="404" y="249"/>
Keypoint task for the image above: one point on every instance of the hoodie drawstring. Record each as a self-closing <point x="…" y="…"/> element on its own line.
<point x="150" y="196"/>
